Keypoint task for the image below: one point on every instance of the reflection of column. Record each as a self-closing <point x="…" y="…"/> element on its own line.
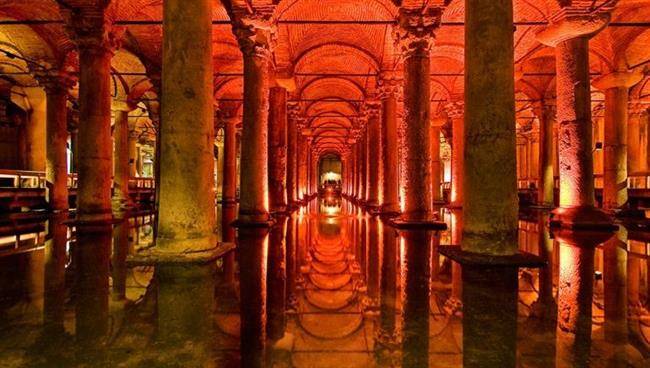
<point x="277" y="150"/>
<point x="118" y="262"/>
<point x="570" y="34"/>
<point x="253" y="247"/>
<point x="374" y="260"/>
<point x="277" y="279"/>
<point x="616" y="87"/>
<point x="415" y="274"/>
<point x="545" y="307"/>
<point x="615" y="283"/>
<point x="92" y="262"/>
<point x="121" y="169"/>
<point x="575" y="296"/>
<point x="389" y="89"/>
<point x="388" y="283"/>
<point x="545" y="190"/>
<point x="55" y="291"/>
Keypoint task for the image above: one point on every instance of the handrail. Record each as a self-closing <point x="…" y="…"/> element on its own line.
<point x="25" y="179"/>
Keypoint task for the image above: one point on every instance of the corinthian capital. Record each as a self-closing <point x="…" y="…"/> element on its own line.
<point x="256" y="31"/>
<point x="54" y="80"/>
<point x="389" y="85"/>
<point x="414" y="33"/>
<point x="87" y="25"/>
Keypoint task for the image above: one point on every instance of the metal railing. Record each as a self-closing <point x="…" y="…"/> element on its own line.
<point x="23" y="179"/>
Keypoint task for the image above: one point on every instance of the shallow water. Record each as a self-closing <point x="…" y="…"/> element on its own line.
<point x="342" y="290"/>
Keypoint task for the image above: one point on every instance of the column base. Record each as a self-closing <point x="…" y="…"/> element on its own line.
<point x="581" y="218"/>
<point x="156" y="256"/>
<point x="252" y="224"/>
<point x="413" y="225"/>
<point x="517" y="260"/>
<point x="454" y="205"/>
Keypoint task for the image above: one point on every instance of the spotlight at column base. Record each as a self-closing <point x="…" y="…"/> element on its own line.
<point x="581" y="218"/>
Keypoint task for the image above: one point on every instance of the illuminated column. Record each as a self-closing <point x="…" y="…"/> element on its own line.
<point x="134" y="155"/>
<point x="121" y="170"/>
<point x="414" y="38"/>
<point x="616" y="87"/>
<point x="575" y="296"/>
<point x="255" y="35"/>
<point x="545" y="190"/>
<point x="278" y="150"/>
<point x="359" y="167"/>
<point x="455" y="111"/>
<point x="363" y="149"/>
<point x="229" y="189"/>
<point x="185" y="240"/>
<point x="374" y="154"/>
<point x="56" y="168"/>
<point x="637" y="137"/>
<point x="389" y="88"/>
<point x="436" y="169"/>
<point x="569" y="33"/>
<point x="488" y="254"/>
<point x="88" y="27"/>
<point x="292" y="154"/>
<point x="615" y="260"/>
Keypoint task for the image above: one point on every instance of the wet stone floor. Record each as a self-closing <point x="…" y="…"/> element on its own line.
<point x="342" y="289"/>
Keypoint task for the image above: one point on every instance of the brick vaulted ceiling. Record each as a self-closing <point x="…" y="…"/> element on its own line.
<point x="335" y="65"/>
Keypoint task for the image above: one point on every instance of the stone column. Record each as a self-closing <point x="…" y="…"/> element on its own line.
<point x="229" y="191"/>
<point x="302" y="165"/>
<point x="278" y="150"/>
<point x="88" y="27"/>
<point x="414" y="38"/>
<point x="436" y="163"/>
<point x="374" y="155"/>
<point x="121" y="169"/>
<point x="389" y="87"/>
<point x="569" y="33"/>
<point x="255" y="35"/>
<point x="56" y="168"/>
<point x="455" y="112"/>
<point x="186" y="240"/>
<point x="616" y="87"/>
<point x="134" y="154"/>
<point x="292" y="154"/>
<point x="546" y="189"/>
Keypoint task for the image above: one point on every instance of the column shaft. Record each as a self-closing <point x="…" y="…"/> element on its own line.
<point x="615" y="148"/>
<point x="278" y="150"/>
<point x="95" y="145"/>
<point x="546" y="190"/>
<point x="389" y="147"/>
<point x="254" y="157"/>
<point x="416" y="160"/>
<point x="374" y="157"/>
<point x="292" y="154"/>
<point x="56" y="169"/>
<point x="436" y="173"/>
<point x="121" y="170"/>
<point x="490" y="208"/>
<point x="186" y="215"/>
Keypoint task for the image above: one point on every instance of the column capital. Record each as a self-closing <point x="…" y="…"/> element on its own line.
<point x="544" y="109"/>
<point x="573" y="22"/>
<point x="636" y="108"/>
<point x="622" y="79"/>
<point x="54" y="80"/>
<point x="371" y="109"/>
<point x="256" y="31"/>
<point x="455" y="110"/>
<point x="389" y="84"/>
<point x="87" y="25"/>
<point x="293" y="110"/>
<point x="414" y="33"/>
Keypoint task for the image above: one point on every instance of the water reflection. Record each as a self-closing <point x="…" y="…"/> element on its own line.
<point x="328" y="286"/>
